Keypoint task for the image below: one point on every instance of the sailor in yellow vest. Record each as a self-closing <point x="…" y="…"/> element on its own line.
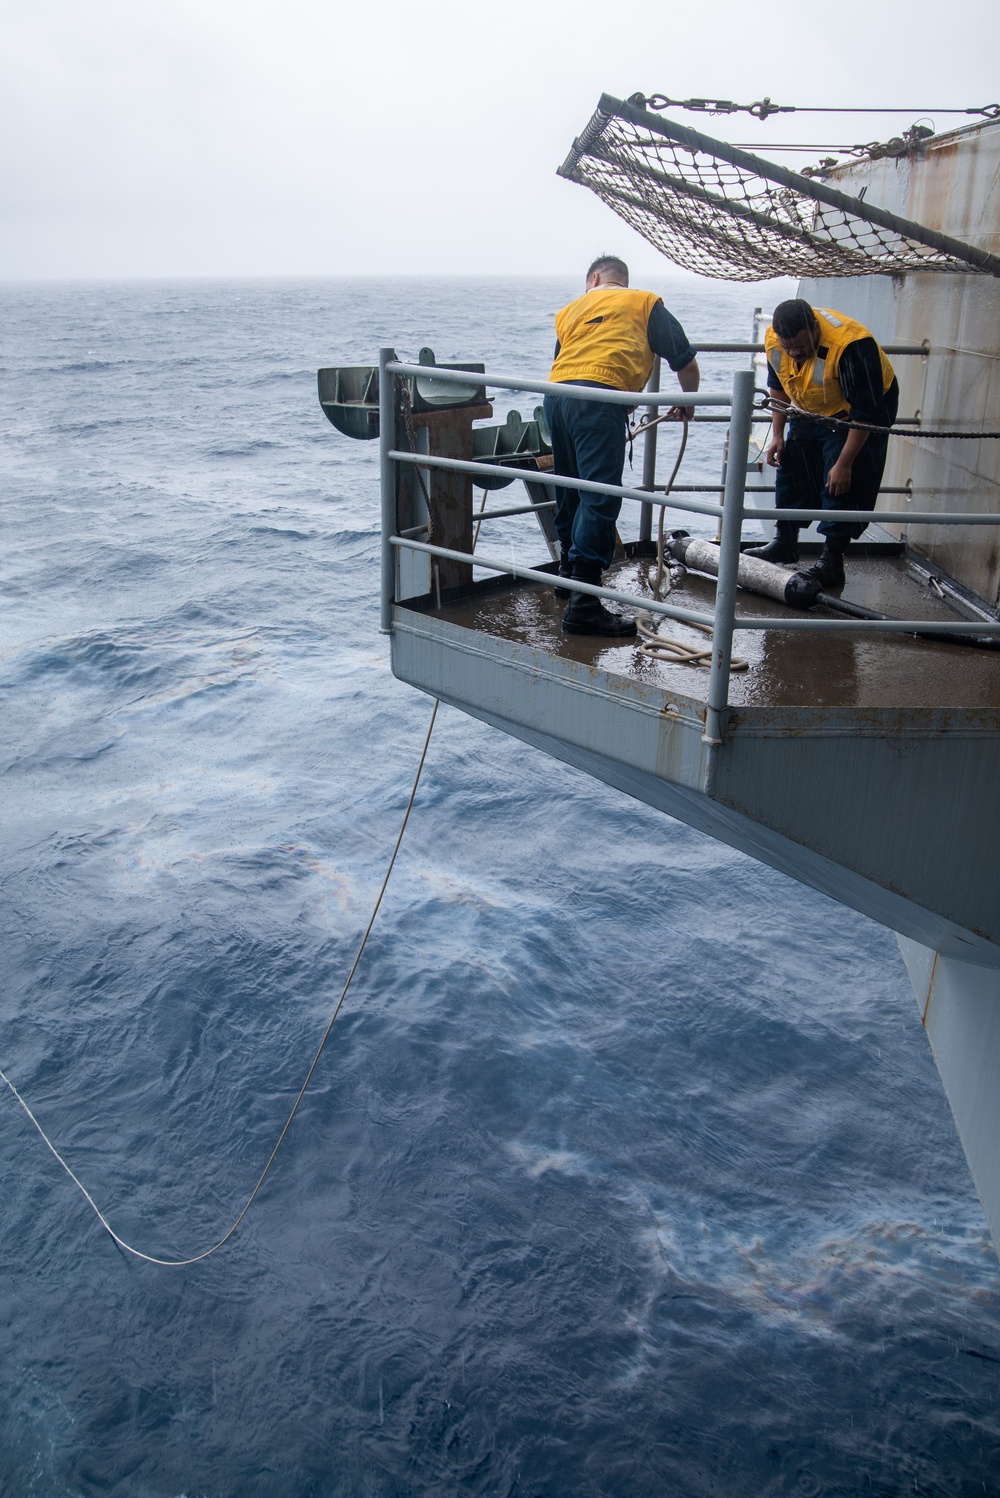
<point x="608" y="338"/>
<point x="825" y="364"/>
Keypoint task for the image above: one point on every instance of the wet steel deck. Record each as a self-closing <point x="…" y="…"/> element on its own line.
<point x="786" y="668"/>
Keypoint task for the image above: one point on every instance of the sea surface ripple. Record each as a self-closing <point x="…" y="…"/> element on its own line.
<point x="627" y="1169"/>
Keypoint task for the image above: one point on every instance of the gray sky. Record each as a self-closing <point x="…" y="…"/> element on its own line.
<point x="251" y="137"/>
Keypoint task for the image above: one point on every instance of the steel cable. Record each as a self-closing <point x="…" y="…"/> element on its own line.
<point x="791" y="410"/>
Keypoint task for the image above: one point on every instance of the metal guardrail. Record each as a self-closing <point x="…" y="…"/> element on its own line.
<point x="694" y="616"/>
<point x="531" y="386"/>
<point x="732" y="512"/>
<point x="705" y="507"/>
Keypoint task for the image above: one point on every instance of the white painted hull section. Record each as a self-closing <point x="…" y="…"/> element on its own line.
<point x="959" y="1003"/>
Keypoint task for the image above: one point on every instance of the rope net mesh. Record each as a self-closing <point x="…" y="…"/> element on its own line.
<point x="729" y="221"/>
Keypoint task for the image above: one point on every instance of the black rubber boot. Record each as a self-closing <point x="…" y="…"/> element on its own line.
<point x="828" y="569"/>
<point x="587" y="615"/>
<point x="784" y="547"/>
<point x="565" y="570"/>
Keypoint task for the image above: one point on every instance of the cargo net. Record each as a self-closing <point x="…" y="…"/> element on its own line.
<point x="728" y="220"/>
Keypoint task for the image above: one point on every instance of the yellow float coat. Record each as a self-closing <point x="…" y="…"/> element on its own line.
<point x="813" y="385"/>
<point x="602" y="337"/>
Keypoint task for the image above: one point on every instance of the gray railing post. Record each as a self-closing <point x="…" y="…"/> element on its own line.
<point x="649" y="457"/>
<point x="729" y="555"/>
<point x="387" y="481"/>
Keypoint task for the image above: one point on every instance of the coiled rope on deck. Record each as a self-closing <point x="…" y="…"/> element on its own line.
<point x="657" y="647"/>
<point x="207" y="1253"/>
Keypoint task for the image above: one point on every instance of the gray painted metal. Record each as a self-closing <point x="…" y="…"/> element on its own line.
<point x="386" y="442"/>
<point x="500" y="441"/>
<point x="901" y="421"/>
<point x="960" y="1008"/>
<point x="654" y="606"/>
<point x="729" y="555"/>
<point x="649" y="456"/>
<point x="920" y="349"/>
<point x="529" y="509"/>
<point x="769" y="489"/>
<point x="761" y="791"/>
<point x="543" y="502"/>
<point x="348" y="395"/>
<point x="532" y="575"/>
<point x="750" y="489"/>
<point x="915" y="517"/>
<point x="555" y="481"/>
<point x="535" y="386"/>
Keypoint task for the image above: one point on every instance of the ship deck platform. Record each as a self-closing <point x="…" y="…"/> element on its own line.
<point x="865" y="765"/>
<point x="786" y="668"/>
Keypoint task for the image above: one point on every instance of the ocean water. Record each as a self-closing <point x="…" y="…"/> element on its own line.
<point x="626" y="1170"/>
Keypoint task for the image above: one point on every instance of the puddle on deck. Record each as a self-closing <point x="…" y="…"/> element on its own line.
<point x="787" y="668"/>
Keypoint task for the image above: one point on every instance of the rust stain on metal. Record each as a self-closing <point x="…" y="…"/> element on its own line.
<point x="450" y="493"/>
<point x="930" y="989"/>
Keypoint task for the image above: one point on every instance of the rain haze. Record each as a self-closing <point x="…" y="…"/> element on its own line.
<point x="307" y="138"/>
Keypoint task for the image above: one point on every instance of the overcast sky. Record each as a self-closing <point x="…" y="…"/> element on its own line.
<point x="252" y="137"/>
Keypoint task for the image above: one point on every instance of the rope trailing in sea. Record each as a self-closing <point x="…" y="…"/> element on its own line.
<point x="207" y="1253"/>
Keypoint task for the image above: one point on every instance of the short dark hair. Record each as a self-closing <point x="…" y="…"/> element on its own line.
<point x="795" y="316"/>
<point x="605" y="263"/>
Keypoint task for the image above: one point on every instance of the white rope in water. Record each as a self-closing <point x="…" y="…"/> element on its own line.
<point x="207" y="1253"/>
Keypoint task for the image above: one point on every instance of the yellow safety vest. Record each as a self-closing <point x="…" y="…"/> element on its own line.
<point x="602" y="337"/>
<point x="813" y="385"/>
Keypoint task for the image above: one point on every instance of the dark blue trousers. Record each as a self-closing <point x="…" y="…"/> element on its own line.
<point x="588" y="442"/>
<point x="810" y="451"/>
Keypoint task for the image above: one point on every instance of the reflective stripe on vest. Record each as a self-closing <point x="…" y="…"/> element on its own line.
<point x="602" y="337"/>
<point x="813" y="385"/>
